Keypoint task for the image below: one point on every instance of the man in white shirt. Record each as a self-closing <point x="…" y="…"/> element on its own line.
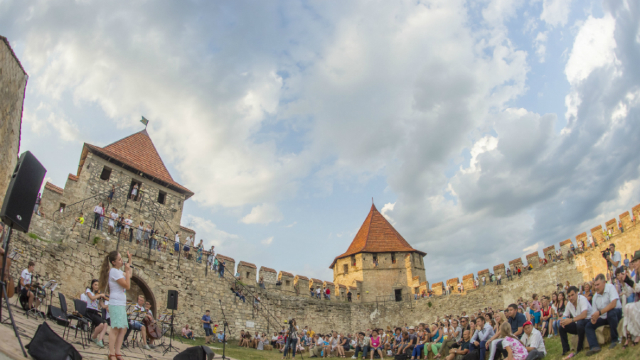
<point x="615" y="259"/>
<point x="607" y="311"/>
<point x="318" y="292"/>
<point x="575" y="318"/>
<point x="25" y="280"/>
<point x="532" y="340"/>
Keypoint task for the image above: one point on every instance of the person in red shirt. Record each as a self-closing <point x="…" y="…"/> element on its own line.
<point x="328" y="293"/>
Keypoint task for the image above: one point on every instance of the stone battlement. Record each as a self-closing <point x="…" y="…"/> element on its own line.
<point x="628" y="221"/>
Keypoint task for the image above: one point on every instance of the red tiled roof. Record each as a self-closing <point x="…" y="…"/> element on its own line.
<point x="138" y="151"/>
<point x="566" y="242"/>
<point x="611" y="222"/>
<point x="73" y="177"/>
<point x="624" y="214"/>
<point x="244" y="263"/>
<point x="377" y="235"/>
<point x="264" y="268"/>
<point x="53" y="188"/>
<point x="284" y="273"/>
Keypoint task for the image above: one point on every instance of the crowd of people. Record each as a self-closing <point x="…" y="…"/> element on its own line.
<point x="517" y="332"/>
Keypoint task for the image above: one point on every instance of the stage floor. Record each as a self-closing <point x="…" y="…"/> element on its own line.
<point x="10" y="347"/>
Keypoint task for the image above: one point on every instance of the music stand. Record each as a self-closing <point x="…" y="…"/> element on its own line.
<point x="3" y="284"/>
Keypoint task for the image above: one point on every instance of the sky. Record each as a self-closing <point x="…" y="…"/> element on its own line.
<point x="483" y="130"/>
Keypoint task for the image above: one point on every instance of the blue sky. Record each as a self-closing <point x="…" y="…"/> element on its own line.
<point x="484" y="130"/>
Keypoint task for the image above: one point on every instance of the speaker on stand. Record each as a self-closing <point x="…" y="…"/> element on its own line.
<point x="16" y="213"/>
<point x="172" y="304"/>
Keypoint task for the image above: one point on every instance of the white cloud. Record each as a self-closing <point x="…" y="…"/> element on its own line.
<point x="291" y="225"/>
<point x="540" y="44"/>
<point x="481" y="146"/>
<point x="388" y="207"/>
<point x="594" y="47"/>
<point x="555" y="12"/>
<point x="208" y="231"/>
<point x="263" y="214"/>
<point x="267" y="241"/>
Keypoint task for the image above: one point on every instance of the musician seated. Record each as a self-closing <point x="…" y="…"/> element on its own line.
<point x="25" y="284"/>
<point x="137" y="315"/>
<point x="150" y="319"/>
<point x="187" y="333"/>
<point x="93" y="297"/>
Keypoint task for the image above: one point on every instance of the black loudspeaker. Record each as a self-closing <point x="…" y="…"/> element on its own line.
<point x="22" y="192"/>
<point x="47" y="345"/>
<point x="172" y="300"/>
<point x="196" y="353"/>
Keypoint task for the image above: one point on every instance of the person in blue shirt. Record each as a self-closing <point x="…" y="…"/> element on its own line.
<point x="483" y="333"/>
<point x="516" y="320"/>
<point x="206" y="324"/>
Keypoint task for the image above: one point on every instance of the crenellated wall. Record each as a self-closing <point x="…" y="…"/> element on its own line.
<point x="73" y="260"/>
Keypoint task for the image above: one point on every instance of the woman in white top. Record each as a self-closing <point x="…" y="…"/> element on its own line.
<point x="139" y="232"/>
<point x="93" y="297"/>
<point x="118" y="282"/>
<point x="112" y="219"/>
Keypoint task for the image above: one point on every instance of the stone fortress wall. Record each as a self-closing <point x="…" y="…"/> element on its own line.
<point x="13" y="83"/>
<point x="74" y="260"/>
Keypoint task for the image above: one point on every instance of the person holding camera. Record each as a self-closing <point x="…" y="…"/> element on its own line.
<point x="614" y="259"/>
<point x="292" y="339"/>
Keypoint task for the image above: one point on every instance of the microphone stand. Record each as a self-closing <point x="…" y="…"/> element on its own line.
<point x="225" y="325"/>
<point x="170" y="346"/>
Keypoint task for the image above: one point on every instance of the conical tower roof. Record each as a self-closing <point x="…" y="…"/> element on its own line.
<point x="138" y="152"/>
<point x="377" y="235"/>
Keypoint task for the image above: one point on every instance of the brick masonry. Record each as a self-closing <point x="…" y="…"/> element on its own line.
<point x="13" y="82"/>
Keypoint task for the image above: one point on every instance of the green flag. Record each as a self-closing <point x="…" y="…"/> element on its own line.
<point x="144" y="121"/>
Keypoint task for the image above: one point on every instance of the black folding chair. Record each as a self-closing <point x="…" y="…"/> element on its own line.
<point x="69" y="317"/>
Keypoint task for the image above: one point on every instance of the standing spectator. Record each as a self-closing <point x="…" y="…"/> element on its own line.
<point x="318" y="291"/>
<point x="113" y="216"/>
<point x="615" y="258"/>
<point x="626" y="260"/>
<point x="134" y="191"/>
<point x="607" y="311"/>
<point x="111" y="193"/>
<point x="98" y="211"/>
<point x="509" y="277"/>
<point x="590" y="241"/>
<point x="519" y="271"/>
<point x="221" y="266"/>
<point x="128" y="227"/>
<point x="37" y="206"/>
<point x="206" y="325"/>
<point x="349" y="295"/>
<point x="484" y="280"/>
<point x="176" y="245"/>
<point x="575" y="318"/>
<point x="620" y="226"/>
<point x="499" y="282"/>
<point x="139" y="232"/>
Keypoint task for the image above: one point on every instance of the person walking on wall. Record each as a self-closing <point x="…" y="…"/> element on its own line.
<point x="97" y="213"/>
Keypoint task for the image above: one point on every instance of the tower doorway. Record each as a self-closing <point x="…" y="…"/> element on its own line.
<point x="398" y="293"/>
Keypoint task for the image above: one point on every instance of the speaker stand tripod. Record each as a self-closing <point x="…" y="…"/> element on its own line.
<point x="225" y="326"/>
<point x="170" y="347"/>
<point x="4" y="291"/>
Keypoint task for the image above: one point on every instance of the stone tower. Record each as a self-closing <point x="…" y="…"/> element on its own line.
<point x="130" y="161"/>
<point x="380" y="263"/>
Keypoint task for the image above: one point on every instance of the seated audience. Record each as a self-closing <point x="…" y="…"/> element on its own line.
<point x="533" y="341"/>
<point x="575" y="318"/>
<point x="186" y="332"/>
<point x="607" y="310"/>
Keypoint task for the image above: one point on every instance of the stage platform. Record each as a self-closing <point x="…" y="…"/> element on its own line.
<point x="10" y="349"/>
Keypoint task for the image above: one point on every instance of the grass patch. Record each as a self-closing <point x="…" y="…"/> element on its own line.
<point x="35" y="236"/>
<point x="96" y="239"/>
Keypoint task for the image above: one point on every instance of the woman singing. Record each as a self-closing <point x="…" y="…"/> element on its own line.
<point x="93" y="312"/>
<point x="292" y="339"/>
<point x="119" y="282"/>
